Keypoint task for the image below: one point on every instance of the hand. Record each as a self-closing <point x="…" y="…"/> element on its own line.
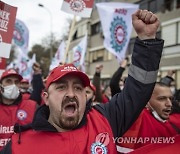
<point x="99" y="68"/>
<point x="124" y="63"/>
<point x="171" y="72"/>
<point x="36" y="68"/>
<point x="145" y="24"/>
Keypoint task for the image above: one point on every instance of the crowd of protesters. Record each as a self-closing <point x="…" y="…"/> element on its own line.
<point x="68" y="113"/>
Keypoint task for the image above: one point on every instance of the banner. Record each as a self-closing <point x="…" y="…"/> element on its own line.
<point x="7" y="20"/>
<point x="2" y="65"/>
<point x="117" y="26"/>
<point x="81" y="8"/>
<point x="59" y="56"/>
<point x="21" y="35"/>
<point x="79" y="53"/>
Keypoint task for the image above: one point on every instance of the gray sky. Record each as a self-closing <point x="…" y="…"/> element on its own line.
<point x="37" y="19"/>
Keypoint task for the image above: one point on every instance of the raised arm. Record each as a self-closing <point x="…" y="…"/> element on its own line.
<point x="126" y="106"/>
<point x="37" y="84"/>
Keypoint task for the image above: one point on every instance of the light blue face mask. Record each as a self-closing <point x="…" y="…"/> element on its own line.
<point x="10" y="92"/>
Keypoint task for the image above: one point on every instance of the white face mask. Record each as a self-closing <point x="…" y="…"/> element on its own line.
<point x="11" y="92"/>
<point x="23" y="90"/>
<point x="155" y="114"/>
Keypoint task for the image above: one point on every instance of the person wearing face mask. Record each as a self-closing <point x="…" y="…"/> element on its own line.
<point x="13" y="109"/>
<point x="154" y="121"/>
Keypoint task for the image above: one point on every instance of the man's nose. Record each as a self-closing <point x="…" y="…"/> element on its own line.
<point x="70" y="92"/>
<point x="169" y="102"/>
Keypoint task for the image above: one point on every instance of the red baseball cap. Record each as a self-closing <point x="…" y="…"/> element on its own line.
<point x="92" y="87"/>
<point x="24" y="81"/>
<point x="10" y="72"/>
<point x="60" y="71"/>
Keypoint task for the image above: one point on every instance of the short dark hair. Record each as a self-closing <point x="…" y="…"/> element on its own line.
<point x="162" y="84"/>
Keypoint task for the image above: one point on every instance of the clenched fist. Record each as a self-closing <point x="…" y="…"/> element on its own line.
<point x="145" y="24"/>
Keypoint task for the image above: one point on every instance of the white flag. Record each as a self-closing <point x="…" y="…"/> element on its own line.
<point x="59" y="56"/>
<point x="25" y="65"/>
<point x="81" y="8"/>
<point x="79" y="52"/>
<point x="60" y="52"/>
<point x="21" y="35"/>
<point x="117" y="26"/>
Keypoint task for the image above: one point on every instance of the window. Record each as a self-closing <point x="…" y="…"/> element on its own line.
<point x="169" y="34"/>
<point x="107" y="55"/>
<point x="75" y="36"/>
<point x="168" y="4"/>
<point x="82" y="29"/>
<point x="143" y="5"/>
<point x="178" y="4"/>
<point x="152" y="5"/>
<point x="160" y="5"/>
<point x="179" y="32"/>
<point x="99" y="55"/>
<point x="96" y="28"/>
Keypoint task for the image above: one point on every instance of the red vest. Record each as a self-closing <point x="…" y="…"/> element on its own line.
<point x="94" y="137"/>
<point x="170" y="148"/>
<point x="148" y="130"/>
<point x="9" y="115"/>
<point x="26" y="96"/>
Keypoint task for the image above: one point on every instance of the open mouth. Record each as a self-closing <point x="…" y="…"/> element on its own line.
<point x="70" y="108"/>
<point x="167" y="111"/>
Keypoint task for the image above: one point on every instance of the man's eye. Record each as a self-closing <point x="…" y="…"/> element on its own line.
<point x="88" y="92"/>
<point x="162" y="99"/>
<point x="78" y="88"/>
<point x="60" y="87"/>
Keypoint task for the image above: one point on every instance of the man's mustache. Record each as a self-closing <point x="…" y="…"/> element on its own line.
<point x="68" y="100"/>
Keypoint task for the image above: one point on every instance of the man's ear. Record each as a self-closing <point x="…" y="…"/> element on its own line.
<point x="45" y="96"/>
<point x="1" y="88"/>
<point x="93" y="98"/>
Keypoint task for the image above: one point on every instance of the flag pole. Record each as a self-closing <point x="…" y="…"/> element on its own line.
<point x="69" y="39"/>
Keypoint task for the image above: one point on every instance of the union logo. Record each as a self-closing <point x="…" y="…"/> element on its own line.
<point x="118" y="32"/>
<point x="101" y="141"/>
<point x="98" y="148"/>
<point x="18" y="35"/>
<point x="77" y="5"/>
<point x="21" y="114"/>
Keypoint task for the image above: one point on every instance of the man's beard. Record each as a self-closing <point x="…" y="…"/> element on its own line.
<point x="69" y="123"/>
